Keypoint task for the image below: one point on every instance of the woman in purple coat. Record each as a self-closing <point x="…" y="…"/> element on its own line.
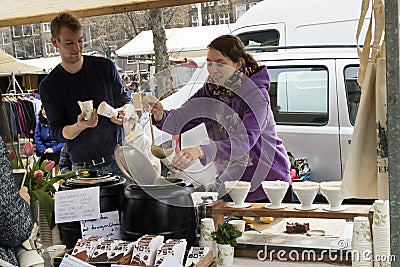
<point x="235" y="107"/>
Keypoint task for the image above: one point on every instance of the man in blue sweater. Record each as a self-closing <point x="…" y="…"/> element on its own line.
<point x="90" y="143"/>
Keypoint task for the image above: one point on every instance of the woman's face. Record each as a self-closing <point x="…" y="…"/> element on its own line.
<point x="220" y="67"/>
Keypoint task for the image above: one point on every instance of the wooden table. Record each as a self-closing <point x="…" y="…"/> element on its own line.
<point x="218" y="209"/>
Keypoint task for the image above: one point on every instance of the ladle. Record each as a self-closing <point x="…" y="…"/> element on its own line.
<point x="158" y="151"/>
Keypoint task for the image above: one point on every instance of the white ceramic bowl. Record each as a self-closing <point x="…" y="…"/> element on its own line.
<point x="238" y="191"/>
<point x="275" y="191"/>
<point x="306" y="193"/>
<point x="330" y="190"/>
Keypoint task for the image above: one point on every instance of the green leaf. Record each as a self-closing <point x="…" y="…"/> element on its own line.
<point x="226" y="234"/>
<point x="47" y="204"/>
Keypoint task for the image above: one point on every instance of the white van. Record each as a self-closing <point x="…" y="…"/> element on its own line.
<point x="314" y="91"/>
<point x="300" y="22"/>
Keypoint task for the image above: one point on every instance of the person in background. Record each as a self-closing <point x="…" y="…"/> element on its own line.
<point x="235" y="107"/>
<point x="135" y="136"/>
<point x="65" y="163"/>
<point x="16" y="222"/>
<point x="133" y="87"/>
<point x="90" y="143"/>
<point x="46" y="146"/>
<point x="125" y="81"/>
<point x="145" y="86"/>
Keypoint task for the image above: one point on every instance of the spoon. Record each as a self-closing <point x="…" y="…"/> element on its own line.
<point x="158" y="151"/>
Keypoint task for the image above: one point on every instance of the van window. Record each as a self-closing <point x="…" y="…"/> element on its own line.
<point x="260" y="39"/>
<point x="353" y="91"/>
<point x="299" y="95"/>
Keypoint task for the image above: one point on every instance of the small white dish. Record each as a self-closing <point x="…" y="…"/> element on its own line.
<point x="275" y="207"/>
<point x="312" y="207"/>
<point x="340" y="208"/>
<point x="244" y="205"/>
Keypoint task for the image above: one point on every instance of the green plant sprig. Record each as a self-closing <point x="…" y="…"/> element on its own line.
<point x="226" y="234"/>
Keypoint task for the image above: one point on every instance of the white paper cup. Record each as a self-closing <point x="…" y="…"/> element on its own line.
<point x="55" y="250"/>
<point x="361" y="232"/>
<point x="206" y="228"/>
<point x="106" y="110"/>
<point x="238" y="224"/>
<point x="381" y="213"/>
<point x="86" y="108"/>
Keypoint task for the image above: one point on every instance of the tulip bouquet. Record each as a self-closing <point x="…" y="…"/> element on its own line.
<point x="40" y="182"/>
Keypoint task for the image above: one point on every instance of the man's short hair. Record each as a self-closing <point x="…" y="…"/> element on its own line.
<point x="66" y="20"/>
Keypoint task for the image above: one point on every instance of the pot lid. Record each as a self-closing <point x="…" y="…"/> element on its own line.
<point x="135" y="165"/>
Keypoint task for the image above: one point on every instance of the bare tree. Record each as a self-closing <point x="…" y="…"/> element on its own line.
<point x="160" y="52"/>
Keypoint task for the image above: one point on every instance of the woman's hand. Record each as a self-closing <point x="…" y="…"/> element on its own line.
<point x="157" y="108"/>
<point x="23" y="192"/>
<point x="186" y="157"/>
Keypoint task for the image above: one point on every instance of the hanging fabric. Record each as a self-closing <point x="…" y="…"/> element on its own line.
<point x="366" y="171"/>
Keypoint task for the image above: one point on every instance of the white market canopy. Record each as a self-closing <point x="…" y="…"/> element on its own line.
<point x="187" y="42"/>
<point x="9" y="64"/>
<point x="22" y="12"/>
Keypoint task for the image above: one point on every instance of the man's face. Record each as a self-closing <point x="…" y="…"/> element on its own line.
<point x="70" y="45"/>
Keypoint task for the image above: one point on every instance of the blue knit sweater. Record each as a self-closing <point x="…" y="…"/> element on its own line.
<point x="15" y="216"/>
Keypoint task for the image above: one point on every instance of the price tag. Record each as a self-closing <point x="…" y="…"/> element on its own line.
<point x="71" y="261"/>
<point x="106" y="226"/>
<point x="77" y="205"/>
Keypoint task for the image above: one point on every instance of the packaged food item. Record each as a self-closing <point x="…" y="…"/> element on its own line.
<point x="84" y="247"/>
<point x="175" y="247"/>
<point x="145" y="249"/>
<point x="121" y="252"/>
<point x="101" y="252"/>
<point x="195" y="255"/>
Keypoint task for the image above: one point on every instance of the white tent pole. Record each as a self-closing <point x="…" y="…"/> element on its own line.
<point x="199" y="16"/>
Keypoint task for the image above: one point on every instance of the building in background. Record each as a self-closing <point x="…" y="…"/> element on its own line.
<point x="106" y="34"/>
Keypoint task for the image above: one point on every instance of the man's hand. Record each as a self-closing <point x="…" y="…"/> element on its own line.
<point x="72" y="131"/>
<point x="121" y="116"/>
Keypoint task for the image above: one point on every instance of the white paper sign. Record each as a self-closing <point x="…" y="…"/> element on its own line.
<point x="71" y="261"/>
<point x="170" y="261"/>
<point x="77" y="205"/>
<point x="106" y="226"/>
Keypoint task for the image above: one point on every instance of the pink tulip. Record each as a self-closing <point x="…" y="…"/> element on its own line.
<point x="48" y="165"/>
<point x="38" y="174"/>
<point x="13" y="155"/>
<point x="28" y="149"/>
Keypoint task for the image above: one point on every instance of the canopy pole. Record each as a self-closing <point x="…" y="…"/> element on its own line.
<point x="393" y="117"/>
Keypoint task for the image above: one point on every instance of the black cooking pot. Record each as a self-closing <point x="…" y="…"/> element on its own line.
<point x="166" y="210"/>
<point x="111" y="196"/>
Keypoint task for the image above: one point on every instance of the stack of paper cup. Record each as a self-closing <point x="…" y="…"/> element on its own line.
<point x="361" y="244"/>
<point x="381" y="233"/>
<point x="206" y="228"/>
